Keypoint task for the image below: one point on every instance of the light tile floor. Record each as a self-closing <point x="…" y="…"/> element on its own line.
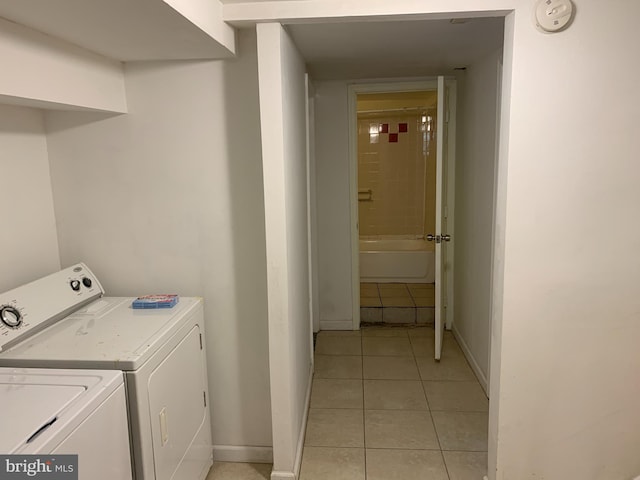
<point x="397" y="294"/>
<point x="383" y="409"/>
<point x="239" y="471"/>
<point x="399" y="303"/>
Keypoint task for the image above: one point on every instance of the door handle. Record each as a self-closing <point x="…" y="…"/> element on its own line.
<point x="438" y="238"/>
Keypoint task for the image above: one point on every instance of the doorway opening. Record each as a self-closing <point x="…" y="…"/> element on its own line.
<point x="345" y="359"/>
<point x="402" y="143"/>
<point x="396" y="164"/>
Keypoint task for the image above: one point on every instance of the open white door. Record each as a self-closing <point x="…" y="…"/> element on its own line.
<point x="441" y="237"/>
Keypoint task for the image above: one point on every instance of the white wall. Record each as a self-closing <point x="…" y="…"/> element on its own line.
<point x="570" y="308"/>
<point x="169" y="199"/>
<point x="283" y="120"/>
<point x="39" y="70"/>
<point x="332" y="196"/>
<point x="28" y="243"/>
<point x="474" y="207"/>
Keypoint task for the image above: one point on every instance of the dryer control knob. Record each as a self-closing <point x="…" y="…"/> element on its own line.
<point x="10" y="316"/>
<point x="86" y="281"/>
<point x="75" y="285"/>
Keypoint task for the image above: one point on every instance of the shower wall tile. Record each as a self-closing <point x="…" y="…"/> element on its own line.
<point x="394" y="169"/>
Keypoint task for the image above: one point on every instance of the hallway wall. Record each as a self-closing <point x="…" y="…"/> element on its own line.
<point x="283" y="97"/>
<point x="333" y="218"/>
<point x="567" y="309"/>
<point x="474" y="209"/>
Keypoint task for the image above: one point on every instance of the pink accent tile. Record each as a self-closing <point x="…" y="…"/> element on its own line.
<point x="384" y="128"/>
<point x="403" y="127"/>
<point x="393" y="138"/>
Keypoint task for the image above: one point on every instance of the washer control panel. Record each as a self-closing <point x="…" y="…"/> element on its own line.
<point x="30" y="308"/>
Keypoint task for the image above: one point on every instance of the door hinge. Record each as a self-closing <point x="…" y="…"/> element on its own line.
<point x="200" y="341"/>
<point x="204" y="395"/>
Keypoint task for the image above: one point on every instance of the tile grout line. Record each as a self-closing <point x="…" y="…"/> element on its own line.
<point x="430" y="414"/>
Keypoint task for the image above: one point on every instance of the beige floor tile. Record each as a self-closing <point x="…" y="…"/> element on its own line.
<point x="396" y="346"/>
<point x="370" y="302"/>
<point x="239" y="471"/>
<point x="384" y="331"/>
<point x="397" y="302"/>
<point x="369" y="290"/>
<point x="421" y="331"/>
<point x="336" y="393"/>
<point x="339" y="333"/>
<point x="338" y="345"/>
<point x="452" y="367"/>
<point x="335" y="428"/>
<point x="424" y="301"/>
<point x="399" y="429"/>
<point x="466" y="465"/>
<point x="323" y="463"/>
<point x="393" y="290"/>
<point x="456" y="396"/>
<point x="450" y="342"/>
<point x="461" y="431"/>
<point x="394" y="395"/>
<point x="383" y="464"/>
<point x="338" y="366"/>
<point x="424" y="346"/>
<point x="390" y="368"/>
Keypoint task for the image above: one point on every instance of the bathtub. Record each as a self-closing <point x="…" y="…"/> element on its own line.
<point x="401" y="260"/>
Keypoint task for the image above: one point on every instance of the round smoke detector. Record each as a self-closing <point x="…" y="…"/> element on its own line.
<point x="553" y="15"/>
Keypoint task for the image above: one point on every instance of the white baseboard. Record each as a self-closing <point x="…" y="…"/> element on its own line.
<point x="233" y="453"/>
<point x="282" y="476"/>
<point x="472" y="361"/>
<point x="336" y="325"/>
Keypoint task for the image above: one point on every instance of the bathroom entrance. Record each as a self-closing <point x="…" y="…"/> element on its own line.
<point x="400" y="162"/>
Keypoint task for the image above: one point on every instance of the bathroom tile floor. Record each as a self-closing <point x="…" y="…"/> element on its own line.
<point x="400" y="303"/>
<point x="382" y="409"/>
<point x="397" y="295"/>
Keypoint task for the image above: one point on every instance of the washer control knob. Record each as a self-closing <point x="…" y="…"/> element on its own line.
<point x="10" y="316"/>
<point x="86" y="281"/>
<point x="75" y="285"/>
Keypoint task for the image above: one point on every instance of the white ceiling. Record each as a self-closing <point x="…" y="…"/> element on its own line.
<point x="394" y="48"/>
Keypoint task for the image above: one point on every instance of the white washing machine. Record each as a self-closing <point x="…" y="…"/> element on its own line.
<point x="63" y="321"/>
<point x="80" y="412"/>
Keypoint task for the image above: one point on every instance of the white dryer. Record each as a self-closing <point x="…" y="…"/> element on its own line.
<point x="80" y="412"/>
<point x="63" y="321"/>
